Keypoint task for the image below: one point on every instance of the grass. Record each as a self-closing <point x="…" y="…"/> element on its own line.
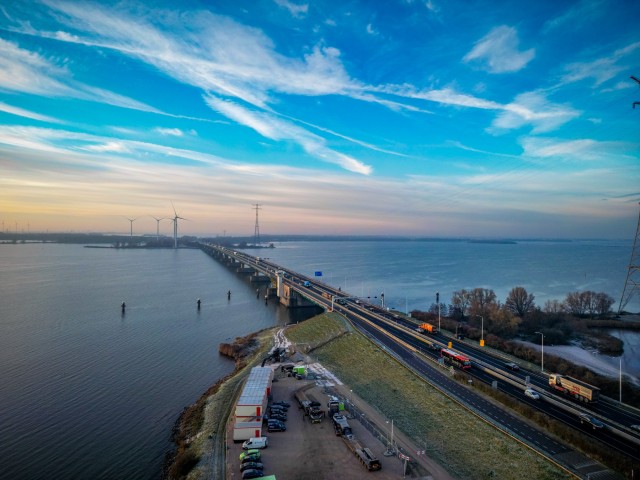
<point x="467" y="446"/>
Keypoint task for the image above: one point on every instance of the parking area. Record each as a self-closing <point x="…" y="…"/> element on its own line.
<point x="312" y="451"/>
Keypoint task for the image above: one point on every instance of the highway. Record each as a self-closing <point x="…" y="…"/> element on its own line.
<point x="421" y="353"/>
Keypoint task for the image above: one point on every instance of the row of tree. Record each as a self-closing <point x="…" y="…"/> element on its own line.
<point x="519" y="315"/>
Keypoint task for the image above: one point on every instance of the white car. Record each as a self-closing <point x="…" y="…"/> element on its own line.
<point x="532" y="394"/>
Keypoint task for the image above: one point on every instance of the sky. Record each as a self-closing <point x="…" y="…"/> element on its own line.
<point x="435" y="118"/>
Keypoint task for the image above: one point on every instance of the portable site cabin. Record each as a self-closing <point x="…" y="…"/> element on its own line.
<point x="252" y="404"/>
<point x="245" y="430"/>
<point x="255" y="394"/>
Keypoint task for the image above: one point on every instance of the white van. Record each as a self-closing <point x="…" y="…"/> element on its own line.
<point x="255" y="442"/>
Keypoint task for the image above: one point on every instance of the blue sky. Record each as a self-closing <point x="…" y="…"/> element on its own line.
<point x="434" y="118"/>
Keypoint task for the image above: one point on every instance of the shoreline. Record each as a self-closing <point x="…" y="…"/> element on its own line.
<point x="190" y="424"/>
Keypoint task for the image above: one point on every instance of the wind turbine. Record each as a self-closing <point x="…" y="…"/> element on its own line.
<point x="175" y="226"/>
<point x="131" y="220"/>
<point x="157" y="219"/>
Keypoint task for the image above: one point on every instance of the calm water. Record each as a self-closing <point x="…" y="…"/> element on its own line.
<point x="87" y="393"/>
<point x="410" y="273"/>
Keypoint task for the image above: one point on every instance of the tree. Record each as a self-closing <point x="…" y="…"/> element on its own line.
<point x="603" y="304"/>
<point x="459" y="304"/>
<point x="519" y="302"/>
<point x="574" y="303"/>
<point x="480" y="301"/>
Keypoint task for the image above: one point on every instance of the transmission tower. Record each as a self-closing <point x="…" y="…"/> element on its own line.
<point x="256" y="232"/>
<point x="632" y="284"/>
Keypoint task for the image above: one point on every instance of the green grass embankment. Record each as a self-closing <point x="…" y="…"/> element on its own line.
<point x="465" y="445"/>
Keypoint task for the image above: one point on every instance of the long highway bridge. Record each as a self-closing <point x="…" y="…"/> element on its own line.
<point x="399" y="336"/>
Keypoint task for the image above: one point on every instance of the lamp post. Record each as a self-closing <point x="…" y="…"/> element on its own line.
<point x="438" y="302"/>
<point x="481" y="330"/>
<point x="542" y="351"/>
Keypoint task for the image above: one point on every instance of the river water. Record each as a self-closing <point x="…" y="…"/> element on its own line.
<point x="411" y="272"/>
<point x="89" y="393"/>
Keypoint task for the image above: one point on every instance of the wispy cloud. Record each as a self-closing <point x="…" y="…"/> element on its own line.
<point x="21" y="112"/>
<point x="294" y="9"/>
<point x="578" y="15"/>
<point x="534" y="109"/>
<point x="173" y="132"/>
<point x="530" y="108"/>
<point x="276" y="129"/>
<point x="578" y="150"/>
<point x="601" y="69"/>
<point x="23" y="71"/>
<point x="498" y="51"/>
<point x="214" y="53"/>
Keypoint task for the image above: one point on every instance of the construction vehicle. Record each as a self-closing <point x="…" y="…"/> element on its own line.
<point x="309" y="406"/>
<point x="362" y="453"/>
<point x="428" y="328"/>
<point x="581" y="391"/>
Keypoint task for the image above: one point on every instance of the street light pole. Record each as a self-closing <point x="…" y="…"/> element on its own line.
<point x="542" y="352"/>
<point x="620" y="378"/>
<point x="438" y="302"/>
<point x="481" y="330"/>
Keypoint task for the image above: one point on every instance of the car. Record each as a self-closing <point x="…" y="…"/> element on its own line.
<point x="278" y="416"/>
<point x="253" y="451"/>
<point x="636" y="427"/>
<point x="593" y="421"/>
<point x="274" y="427"/>
<point x="532" y="394"/>
<point x="282" y="402"/>
<point x="253" y="473"/>
<point x="250" y="458"/>
<point x="251" y="466"/>
<point x="512" y="366"/>
<point x="278" y="408"/>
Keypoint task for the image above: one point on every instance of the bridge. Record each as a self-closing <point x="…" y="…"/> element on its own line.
<point x="397" y="334"/>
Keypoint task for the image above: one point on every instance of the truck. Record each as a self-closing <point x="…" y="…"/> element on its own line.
<point x="334" y="406"/>
<point x="326" y="295"/>
<point x="428" y="328"/>
<point x="309" y="406"/>
<point x="576" y="389"/>
<point x="362" y="453"/>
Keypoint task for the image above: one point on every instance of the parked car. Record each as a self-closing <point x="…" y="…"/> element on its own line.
<point x="278" y="409"/>
<point x="253" y="451"/>
<point x="512" y="366"/>
<point x="250" y="458"/>
<point x="593" y="421"/>
<point x="275" y="422"/>
<point x="532" y="394"/>
<point x="278" y="416"/>
<point x="276" y="427"/>
<point x="251" y="474"/>
<point x="251" y="466"/>
<point x="282" y="402"/>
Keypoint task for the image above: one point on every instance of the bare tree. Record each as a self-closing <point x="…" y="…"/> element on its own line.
<point x="480" y="300"/>
<point x="459" y="304"/>
<point x="519" y="302"/>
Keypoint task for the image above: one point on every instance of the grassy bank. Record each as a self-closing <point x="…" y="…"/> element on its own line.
<point x="200" y="432"/>
<point x="465" y="445"/>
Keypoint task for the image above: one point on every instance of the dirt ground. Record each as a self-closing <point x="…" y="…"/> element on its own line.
<point x="307" y="451"/>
